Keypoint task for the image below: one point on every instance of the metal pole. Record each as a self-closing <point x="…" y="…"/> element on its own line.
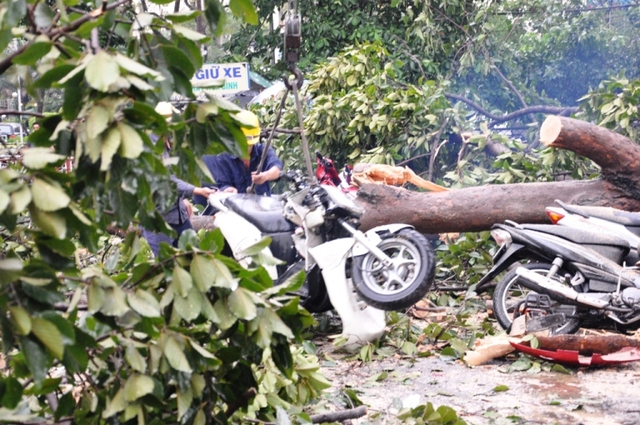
<point x="20" y="111"/>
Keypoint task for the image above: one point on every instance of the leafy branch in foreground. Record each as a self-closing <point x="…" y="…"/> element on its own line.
<point x="190" y="337"/>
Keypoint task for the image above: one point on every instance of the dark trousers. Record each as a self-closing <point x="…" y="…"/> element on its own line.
<point x="154" y="239"/>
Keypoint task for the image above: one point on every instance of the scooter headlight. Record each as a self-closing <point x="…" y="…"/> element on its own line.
<point x="502" y="237"/>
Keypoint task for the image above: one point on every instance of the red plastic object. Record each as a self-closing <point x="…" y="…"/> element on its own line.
<point x="627" y="354"/>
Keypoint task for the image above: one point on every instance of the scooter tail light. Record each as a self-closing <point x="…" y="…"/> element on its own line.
<point x="502" y="237"/>
<point x="553" y="215"/>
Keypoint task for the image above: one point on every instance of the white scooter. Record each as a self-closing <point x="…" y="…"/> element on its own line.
<point x="611" y="221"/>
<point x="315" y="228"/>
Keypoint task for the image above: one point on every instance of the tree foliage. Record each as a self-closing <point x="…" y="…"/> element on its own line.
<point x="502" y="55"/>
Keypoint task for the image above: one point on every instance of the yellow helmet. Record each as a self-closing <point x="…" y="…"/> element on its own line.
<point x="250" y="126"/>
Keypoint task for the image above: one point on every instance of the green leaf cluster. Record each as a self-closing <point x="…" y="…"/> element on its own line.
<point x="94" y="330"/>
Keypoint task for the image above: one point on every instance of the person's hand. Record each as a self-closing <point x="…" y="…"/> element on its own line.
<point x="204" y="191"/>
<point x="189" y="207"/>
<point x="230" y="189"/>
<point x="259" y="178"/>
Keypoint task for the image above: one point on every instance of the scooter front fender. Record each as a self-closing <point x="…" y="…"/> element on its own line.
<point x="240" y="235"/>
<point x="374" y="236"/>
<point x="361" y="323"/>
<point x="513" y="253"/>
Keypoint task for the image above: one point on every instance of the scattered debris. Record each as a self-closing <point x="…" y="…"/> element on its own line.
<point x="390" y="175"/>
<point x="490" y="348"/>
<point x="427" y="310"/>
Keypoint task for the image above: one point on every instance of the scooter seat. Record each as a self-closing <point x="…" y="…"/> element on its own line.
<point x="610" y="246"/>
<point x="264" y="212"/>
<point x="626" y="218"/>
<point x="583" y="237"/>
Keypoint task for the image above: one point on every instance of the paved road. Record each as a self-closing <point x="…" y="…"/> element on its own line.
<point x="605" y="396"/>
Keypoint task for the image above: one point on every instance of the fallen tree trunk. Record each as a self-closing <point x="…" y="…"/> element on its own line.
<point x="478" y="208"/>
<point x="588" y="344"/>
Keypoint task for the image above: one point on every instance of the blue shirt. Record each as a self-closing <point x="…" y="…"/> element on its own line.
<point x="229" y="170"/>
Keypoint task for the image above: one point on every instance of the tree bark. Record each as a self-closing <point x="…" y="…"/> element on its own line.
<point x="478" y="208"/>
<point x="588" y="344"/>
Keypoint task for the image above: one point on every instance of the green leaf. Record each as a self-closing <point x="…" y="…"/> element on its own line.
<point x="185" y="398"/>
<point x="102" y="71"/>
<point x="500" y="388"/>
<point x="223" y="314"/>
<point x="66" y="404"/>
<point x="241" y="304"/>
<point x="96" y="297"/>
<point x="33" y="53"/>
<point x="200" y="419"/>
<point x="36" y="358"/>
<point x="222" y="276"/>
<point x="175" y="356"/>
<point x="144" y="303"/>
<point x="12" y="394"/>
<point x="182" y="281"/>
<point x="561" y="369"/>
<point x="189" y="33"/>
<point x="110" y="143"/>
<point x="52" y="76"/>
<point x="244" y="10"/>
<point x="277" y="324"/>
<point x="115" y="303"/>
<point x="189" y="307"/>
<point x="135" y="359"/>
<point x="132" y="145"/>
<point x="202" y="272"/>
<point x="201" y="350"/>
<point x="97" y="121"/>
<point x="4" y="201"/>
<point x="183" y="16"/>
<point x="607" y="108"/>
<point x="52" y="223"/>
<point x="64" y="326"/>
<point x="21" y="320"/>
<point x="43" y="15"/>
<point x="48" y="197"/>
<point x="49" y="335"/>
<point x="39" y="158"/>
<point x="138" y="386"/>
<point x="136" y="67"/>
<point x="257" y="247"/>
<point x="64" y="247"/>
<point x="115" y="405"/>
<point x="10" y="270"/>
<point x="173" y="55"/>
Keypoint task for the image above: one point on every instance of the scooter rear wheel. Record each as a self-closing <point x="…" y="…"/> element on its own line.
<point x="510" y="293"/>
<point x="407" y="280"/>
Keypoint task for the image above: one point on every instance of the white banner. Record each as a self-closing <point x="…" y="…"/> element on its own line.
<point x="229" y="77"/>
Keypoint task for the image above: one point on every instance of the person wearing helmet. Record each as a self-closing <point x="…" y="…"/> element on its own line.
<point x="233" y="174"/>
<point x="178" y="216"/>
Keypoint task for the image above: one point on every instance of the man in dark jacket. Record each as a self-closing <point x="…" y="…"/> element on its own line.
<point x="179" y="214"/>
<point x="233" y="174"/>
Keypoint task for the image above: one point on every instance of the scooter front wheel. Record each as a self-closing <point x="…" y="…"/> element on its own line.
<point x="405" y="281"/>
